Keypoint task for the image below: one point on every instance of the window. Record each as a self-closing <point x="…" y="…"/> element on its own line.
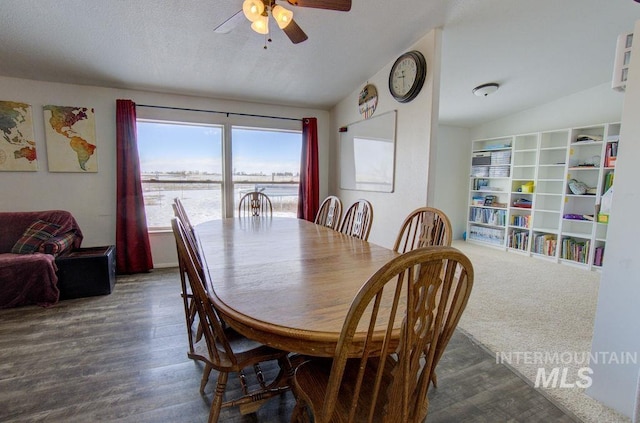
<point x="187" y="161"/>
<point x="268" y="161"/>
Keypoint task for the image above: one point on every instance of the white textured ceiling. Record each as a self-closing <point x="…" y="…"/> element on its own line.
<point x="537" y="50"/>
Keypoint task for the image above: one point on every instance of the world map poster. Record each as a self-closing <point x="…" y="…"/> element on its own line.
<point x="70" y="134"/>
<point x="17" y="144"/>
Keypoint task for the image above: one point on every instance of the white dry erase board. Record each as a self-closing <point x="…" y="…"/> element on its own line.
<point x="367" y="154"/>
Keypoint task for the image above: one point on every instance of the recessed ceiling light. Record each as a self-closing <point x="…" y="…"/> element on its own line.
<point x="486" y="89"/>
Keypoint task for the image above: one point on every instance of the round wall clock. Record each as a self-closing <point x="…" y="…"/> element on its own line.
<point x="407" y="76"/>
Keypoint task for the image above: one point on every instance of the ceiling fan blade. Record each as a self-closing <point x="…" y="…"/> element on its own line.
<point x="231" y="22"/>
<point x="341" y="5"/>
<point x="294" y="32"/>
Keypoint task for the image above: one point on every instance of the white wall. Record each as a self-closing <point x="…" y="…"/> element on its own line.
<point x="414" y="126"/>
<point x="617" y="327"/>
<point x="91" y="197"/>
<point x="597" y="105"/>
<point x="451" y="178"/>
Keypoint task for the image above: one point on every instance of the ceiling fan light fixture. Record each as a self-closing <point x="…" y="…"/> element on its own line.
<point x="282" y="16"/>
<point x="253" y="9"/>
<point x="261" y="25"/>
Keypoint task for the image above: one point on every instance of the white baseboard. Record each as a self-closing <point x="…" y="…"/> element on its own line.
<point x="164" y="265"/>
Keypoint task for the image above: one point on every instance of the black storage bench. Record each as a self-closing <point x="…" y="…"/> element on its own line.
<point x="86" y="272"/>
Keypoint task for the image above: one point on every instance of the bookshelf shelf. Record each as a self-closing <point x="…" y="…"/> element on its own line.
<point x="546" y="230"/>
<point x="534" y="170"/>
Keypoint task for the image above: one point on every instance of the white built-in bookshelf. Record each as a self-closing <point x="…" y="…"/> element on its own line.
<point x="543" y="193"/>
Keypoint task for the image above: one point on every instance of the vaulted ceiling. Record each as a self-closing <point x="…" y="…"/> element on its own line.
<point x="537" y="51"/>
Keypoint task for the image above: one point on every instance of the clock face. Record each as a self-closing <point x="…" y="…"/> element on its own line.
<point x="407" y="76"/>
<point x="403" y="76"/>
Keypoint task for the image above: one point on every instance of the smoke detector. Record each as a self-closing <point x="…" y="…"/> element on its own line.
<point x="486" y="89"/>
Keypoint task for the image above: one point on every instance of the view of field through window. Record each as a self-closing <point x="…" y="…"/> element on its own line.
<point x="186" y="161"/>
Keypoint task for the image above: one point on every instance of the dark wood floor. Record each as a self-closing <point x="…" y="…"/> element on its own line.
<point x="122" y="358"/>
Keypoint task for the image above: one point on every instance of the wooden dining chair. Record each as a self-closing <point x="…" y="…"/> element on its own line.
<point x="226" y="351"/>
<point x="398" y="311"/>
<point x="181" y="212"/>
<point x="425" y="226"/>
<point x="329" y="213"/>
<point x="357" y="220"/>
<point x="255" y="204"/>
<point x="190" y="311"/>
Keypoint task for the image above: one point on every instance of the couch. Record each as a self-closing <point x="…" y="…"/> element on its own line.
<point x="29" y="244"/>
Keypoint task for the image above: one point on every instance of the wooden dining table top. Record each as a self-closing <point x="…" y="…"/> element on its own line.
<point x="286" y="282"/>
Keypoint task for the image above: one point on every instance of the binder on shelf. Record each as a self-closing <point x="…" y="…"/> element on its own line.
<point x="481" y="159"/>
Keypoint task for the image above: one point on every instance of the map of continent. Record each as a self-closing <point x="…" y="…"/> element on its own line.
<point x="17" y="145"/>
<point x="70" y="135"/>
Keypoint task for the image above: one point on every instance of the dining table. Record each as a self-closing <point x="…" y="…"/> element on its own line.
<point x="285" y="282"/>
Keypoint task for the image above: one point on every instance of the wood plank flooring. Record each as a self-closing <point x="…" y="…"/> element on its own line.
<point x="122" y="358"/>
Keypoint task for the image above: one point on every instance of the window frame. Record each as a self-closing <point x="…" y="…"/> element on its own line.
<point x="227" y="126"/>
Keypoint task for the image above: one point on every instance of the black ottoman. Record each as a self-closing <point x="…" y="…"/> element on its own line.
<point x="86" y="272"/>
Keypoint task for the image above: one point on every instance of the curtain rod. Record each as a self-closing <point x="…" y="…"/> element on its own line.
<point x="217" y="112"/>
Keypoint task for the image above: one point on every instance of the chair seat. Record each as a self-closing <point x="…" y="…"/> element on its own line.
<point x="312" y="378"/>
<point x="246" y="352"/>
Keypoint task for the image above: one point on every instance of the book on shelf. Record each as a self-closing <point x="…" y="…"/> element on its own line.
<point x="611" y="154"/>
<point x="523" y="221"/>
<point x="598" y="256"/>
<point x="488" y="216"/>
<point x="489" y="199"/>
<point x="489" y="235"/>
<point x="519" y="240"/>
<point x="575" y="250"/>
<point x="608" y="181"/>
<point x="545" y="244"/>
<point x="480" y="184"/>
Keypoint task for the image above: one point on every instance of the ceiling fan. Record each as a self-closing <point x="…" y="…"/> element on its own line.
<point x="258" y="11"/>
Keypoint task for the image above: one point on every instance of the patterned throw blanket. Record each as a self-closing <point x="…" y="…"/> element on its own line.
<point x="29" y="243"/>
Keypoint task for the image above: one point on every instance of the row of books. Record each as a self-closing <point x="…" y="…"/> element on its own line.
<point x="545" y="244"/>
<point x="521" y="221"/>
<point x="519" y="240"/>
<point x="490" y="235"/>
<point x="501" y="157"/>
<point x="499" y="171"/>
<point x="575" y="250"/>
<point x="488" y="216"/>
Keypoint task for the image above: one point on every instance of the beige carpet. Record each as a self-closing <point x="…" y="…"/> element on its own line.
<point x="526" y="309"/>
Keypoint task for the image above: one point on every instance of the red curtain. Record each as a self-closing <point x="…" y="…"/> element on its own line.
<point x="309" y="192"/>
<point x="133" y="252"/>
